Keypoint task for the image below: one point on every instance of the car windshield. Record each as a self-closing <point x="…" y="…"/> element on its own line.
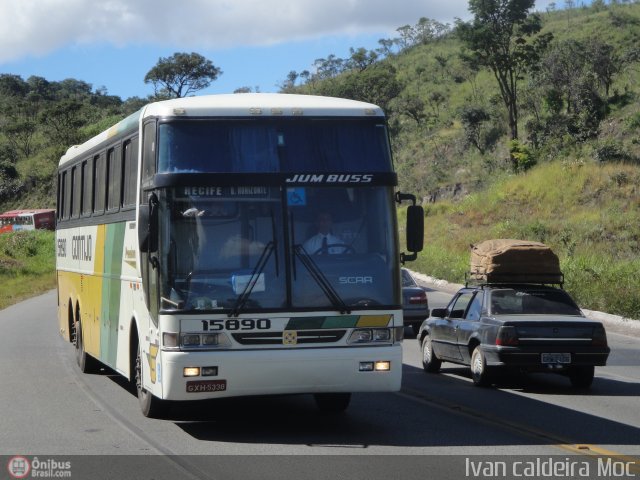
<point x="515" y="301"/>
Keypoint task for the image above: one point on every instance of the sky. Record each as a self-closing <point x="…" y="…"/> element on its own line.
<point x="256" y="43"/>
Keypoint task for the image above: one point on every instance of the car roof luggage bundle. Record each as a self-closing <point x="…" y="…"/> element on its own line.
<point x="514" y="261"/>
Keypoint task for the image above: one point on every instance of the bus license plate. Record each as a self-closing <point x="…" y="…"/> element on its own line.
<point x="555" y="358"/>
<point x="203" y="386"/>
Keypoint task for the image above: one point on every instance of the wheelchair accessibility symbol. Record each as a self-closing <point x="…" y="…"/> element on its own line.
<point x="296" y="197"/>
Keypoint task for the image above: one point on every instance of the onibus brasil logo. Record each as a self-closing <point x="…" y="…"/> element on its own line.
<point x="21" y="467"/>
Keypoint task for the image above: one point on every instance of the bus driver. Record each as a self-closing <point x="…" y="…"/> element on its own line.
<point x="324" y="242"/>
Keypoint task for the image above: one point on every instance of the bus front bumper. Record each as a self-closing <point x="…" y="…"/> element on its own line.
<point x="279" y="372"/>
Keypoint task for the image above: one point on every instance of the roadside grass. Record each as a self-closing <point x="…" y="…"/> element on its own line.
<point x="27" y="265"/>
<point x="587" y="213"/>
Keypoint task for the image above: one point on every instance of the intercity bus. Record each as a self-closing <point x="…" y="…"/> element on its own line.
<point x="181" y="259"/>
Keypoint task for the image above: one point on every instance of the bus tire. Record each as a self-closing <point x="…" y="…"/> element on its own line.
<point x="151" y="406"/>
<point x="332" y="402"/>
<point x="86" y="362"/>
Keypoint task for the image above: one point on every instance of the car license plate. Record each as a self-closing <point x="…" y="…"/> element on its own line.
<point x="203" y="386"/>
<point x="556" y="358"/>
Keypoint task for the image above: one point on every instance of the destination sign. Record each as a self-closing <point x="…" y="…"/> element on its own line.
<point x="239" y="191"/>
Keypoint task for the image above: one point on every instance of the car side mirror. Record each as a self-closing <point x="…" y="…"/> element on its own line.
<point x="439" y="312"/>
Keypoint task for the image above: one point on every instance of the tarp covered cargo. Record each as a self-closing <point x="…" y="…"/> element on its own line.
<point x="514" y="261"/>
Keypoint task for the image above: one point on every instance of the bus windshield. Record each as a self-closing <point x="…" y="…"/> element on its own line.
<point x="274" y="145"/>
<point x="311" y="248"/>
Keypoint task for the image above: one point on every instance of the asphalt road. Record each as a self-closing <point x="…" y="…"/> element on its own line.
<point x="49" y="408"/>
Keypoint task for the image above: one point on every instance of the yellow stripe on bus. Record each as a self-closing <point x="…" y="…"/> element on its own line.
<point x="374" y="320"/>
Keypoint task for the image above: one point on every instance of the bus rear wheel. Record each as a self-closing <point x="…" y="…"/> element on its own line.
<point x="86" y="362"/>
<point x="332" y="402"/>
<point x="150" y="405"/>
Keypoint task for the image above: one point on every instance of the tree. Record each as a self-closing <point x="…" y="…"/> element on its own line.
<point x="13" y="85"/>
<point x="63" y="121"/>
<point x="412" y="106"/>
<point x="361" y="58"/>
<point x="473" y="118"/>
<point x="497" y="37"/>
<point x="181" y="74"/>
<point x="377" y="84"/>
<point x="20" y="136"/>
<point x="289" y="85"/>
<point x="329" y="67"/>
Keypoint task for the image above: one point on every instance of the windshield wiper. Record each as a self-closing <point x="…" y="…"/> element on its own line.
<point x="255" y="275"/>
<point x="320" y="279"/>
<point x="269" y="248"/>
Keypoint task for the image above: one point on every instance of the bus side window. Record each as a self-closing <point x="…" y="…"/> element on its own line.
<point x="76" y="192"/>
<point x="99" y="183"/>
<point x="148" y="154"/>
<point x="60" y="203"/>
<point x="66" y="212"/>
<point x="87" y="192"/>
<point x="130" y="172"/>
<point x="114" y="179"/>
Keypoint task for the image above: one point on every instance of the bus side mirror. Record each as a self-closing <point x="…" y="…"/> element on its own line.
<point x="415" y="228"/>
<point x="148" y="225"/>
<point x="414" y="232"/>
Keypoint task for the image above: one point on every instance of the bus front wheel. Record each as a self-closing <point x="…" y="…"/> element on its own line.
<point x="150" y="405"/>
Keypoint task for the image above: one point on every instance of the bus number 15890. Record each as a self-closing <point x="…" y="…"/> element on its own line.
<point x="236" y="324"/>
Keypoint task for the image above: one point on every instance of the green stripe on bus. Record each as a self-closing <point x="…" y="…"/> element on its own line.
<point x="317" y="323"/>
<point x="111" y="287"/>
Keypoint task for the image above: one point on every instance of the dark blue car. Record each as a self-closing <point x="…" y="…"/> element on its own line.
<point x="521" y="327"/>
<point x="415" y="306"/>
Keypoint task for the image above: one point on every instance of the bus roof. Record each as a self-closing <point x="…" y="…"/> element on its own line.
<point x="234" y="105"/>
<point x="261" y="104"/>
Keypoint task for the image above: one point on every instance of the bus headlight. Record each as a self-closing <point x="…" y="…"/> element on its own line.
<point x="382" y="366"/>
<point x="191" y="340"/>
<point x="204" y="341"/>
<point x="170" y="340"/>
<point x="210" y="339"/>
<point x="370" y="335"/>
<point x="191" y="371"/>
<point x="376" y="366"/>
<point x="382" y="335"/>
<point x="361" y="336"/>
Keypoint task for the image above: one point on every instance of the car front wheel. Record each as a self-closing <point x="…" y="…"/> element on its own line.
<point x="430" y="362"/>
<point x="480" y="373"/>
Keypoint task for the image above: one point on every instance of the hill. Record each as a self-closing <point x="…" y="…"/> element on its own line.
<point x="587" y="212"/>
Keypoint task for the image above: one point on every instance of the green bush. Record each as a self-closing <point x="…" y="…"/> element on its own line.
<point x="522" y="157"/>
